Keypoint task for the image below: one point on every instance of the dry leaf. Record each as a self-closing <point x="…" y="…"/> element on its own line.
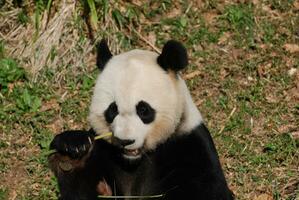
<point x="56" y="126"/>
<point x="10" y="87"/>
<point x="199" y="102"/>
<point x="192" y="75"/>
<point x="175" y="12"/>
<point x="295" y="134"/>
<point x="286" y="128"/>
<point x="263" y="46"/>
<point x="199" y="4"/>
<point x="73" y="125"/>
<point x="262" y="70"/>
<point x="296" y="5"/>
<point x="255" y="2"/>
<point x="224" y="38"/>
<point x="210" y="17"/>
<point x="271" y="98"/>
<point x="223" y="73"/>
<point x="292" y="71"/>
<point x="292" y="48"/>
<point x="289" y="62"/>
<point x="266" y="8"/>
<point x="50" y="105"/>
<point x="137" y="2"/>
<point x="294" y="92"/>
<point x="264" y="197"/>
<point x="237" y="53"/>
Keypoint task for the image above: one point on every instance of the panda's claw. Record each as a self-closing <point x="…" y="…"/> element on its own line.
<point x="90" y="142"/>
<point x="74" y="144"/>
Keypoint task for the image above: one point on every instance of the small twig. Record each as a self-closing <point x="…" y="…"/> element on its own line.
<point x="131" y="197"/>
<point x="146" y="41"/>
<point x="98" y="137"/>
<point x="230" y="115"/>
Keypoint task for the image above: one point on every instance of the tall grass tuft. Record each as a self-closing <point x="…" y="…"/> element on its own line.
<point x="93" y="14"/>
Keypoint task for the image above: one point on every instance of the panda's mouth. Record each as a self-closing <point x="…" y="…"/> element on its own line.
<point x="132" y="153"/>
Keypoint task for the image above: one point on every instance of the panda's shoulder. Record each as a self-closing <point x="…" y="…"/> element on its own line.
<point x="196" y="146"/>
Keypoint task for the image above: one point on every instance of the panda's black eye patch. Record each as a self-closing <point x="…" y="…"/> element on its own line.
<point x="145" y="112"/>
<point x="111" y="112"/>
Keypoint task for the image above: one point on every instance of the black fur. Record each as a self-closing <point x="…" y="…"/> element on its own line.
<point x="111" y="112"/>
<point x="73" y="143"/>
<point x="103" y="54"/>
<point x="173" y="56"/>
<point x="184" y="167"/>
<point x="145" y="112"/>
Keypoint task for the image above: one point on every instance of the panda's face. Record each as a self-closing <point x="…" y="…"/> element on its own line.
<point x="137" y="101"/>
<point x="141" y="99"/>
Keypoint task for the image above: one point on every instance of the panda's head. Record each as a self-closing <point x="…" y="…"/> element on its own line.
<point x="140" y="98"/>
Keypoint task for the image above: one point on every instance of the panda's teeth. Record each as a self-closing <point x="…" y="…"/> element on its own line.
<point x="133" y="152"/>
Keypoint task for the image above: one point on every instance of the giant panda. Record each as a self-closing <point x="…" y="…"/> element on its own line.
<point x="160" y="147"/>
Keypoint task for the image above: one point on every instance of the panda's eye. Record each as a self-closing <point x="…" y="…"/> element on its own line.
<point x="145" y="112"/>
<point x="111" y="112"/>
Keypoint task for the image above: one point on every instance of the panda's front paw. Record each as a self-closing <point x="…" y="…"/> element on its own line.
<point x="74" y="144"/>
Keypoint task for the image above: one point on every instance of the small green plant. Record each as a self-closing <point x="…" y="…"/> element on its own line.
<point x="241" y="21"/>
<point x="3" y="194"/>
<point x="104" y="6"/>
<point x="40" y="7"/>
<point x="23" y="17"/>
<point x="2" y="49"/>
<point x="87" y="83"/>
<point x="240" y="17"/>
<point x="10" y="72"/>
<point x="203" y="34"/>
<point x="93" y="13"/>
<point x="118" y="17"/>
<point x="269" y="32"/>
<point x="27" y="101"/>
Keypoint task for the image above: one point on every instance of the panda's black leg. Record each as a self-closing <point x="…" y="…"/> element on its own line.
<point x="69" y="164"/>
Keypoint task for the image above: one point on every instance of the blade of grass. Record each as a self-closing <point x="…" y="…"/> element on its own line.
<point x="49" y="6"/>
<point x="93" y="14"/>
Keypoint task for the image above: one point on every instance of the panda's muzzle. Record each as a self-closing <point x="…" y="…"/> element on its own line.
<point x="122" y="143"/>
<point x="129" y="153"/>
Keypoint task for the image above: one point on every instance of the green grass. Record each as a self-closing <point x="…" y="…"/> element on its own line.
<point x="281" y="5"/>
<point x="240" y="20"/>
<point x="247" y="72"/>
<point x="3" y="194"/>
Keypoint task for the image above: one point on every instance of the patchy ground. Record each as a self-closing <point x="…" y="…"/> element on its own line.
<point x="243" y="74"/>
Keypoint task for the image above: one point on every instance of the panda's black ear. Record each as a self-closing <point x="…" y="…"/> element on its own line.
<point x="173" y="56"/>
<point x="103" y="54"/>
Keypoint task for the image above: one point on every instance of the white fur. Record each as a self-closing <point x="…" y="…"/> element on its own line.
<point x="134" y="76"/>
<point x="192" y="116"/>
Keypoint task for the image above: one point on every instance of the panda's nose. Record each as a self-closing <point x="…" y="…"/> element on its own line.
<point x="122" y="143"/>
